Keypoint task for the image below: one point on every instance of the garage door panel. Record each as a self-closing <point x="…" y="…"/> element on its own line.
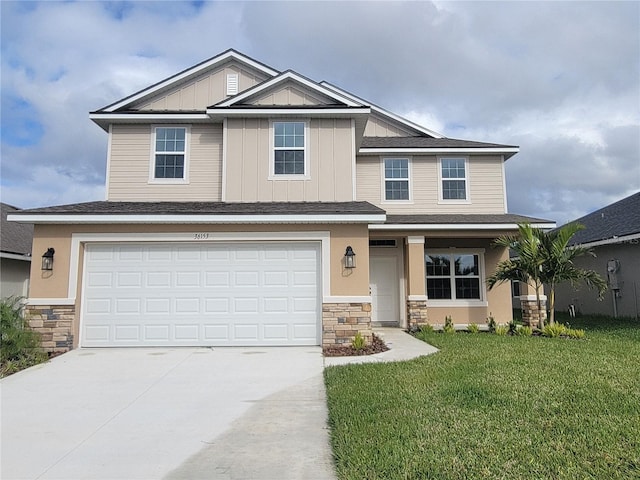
<point x="201" y="294"/>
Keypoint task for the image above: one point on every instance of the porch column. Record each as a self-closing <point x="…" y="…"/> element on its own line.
<point x="530" y="312"/>
<point x="416" y="288"/>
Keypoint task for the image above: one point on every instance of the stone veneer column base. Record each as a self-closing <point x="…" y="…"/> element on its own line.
<point x="341" y="322"/>
<point x="417" y="313"/>
<point x="530" y="313"/>
<point x="54" y="323"/>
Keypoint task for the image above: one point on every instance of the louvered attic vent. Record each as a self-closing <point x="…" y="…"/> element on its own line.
<point x="232" y="83"/>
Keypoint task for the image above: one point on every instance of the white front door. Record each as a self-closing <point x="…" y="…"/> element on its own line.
<point x="384" y="283"/>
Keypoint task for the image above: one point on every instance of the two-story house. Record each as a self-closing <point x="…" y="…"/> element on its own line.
<point x="249" y="206"/>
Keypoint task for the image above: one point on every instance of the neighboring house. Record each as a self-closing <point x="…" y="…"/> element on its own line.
<point x="15" y="255"/>
<point x="236" y="197"/>
<point x="613" y="232"/>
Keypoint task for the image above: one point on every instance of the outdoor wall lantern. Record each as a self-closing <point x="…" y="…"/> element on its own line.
<point x="47" y="259"/>
<point x="349" y="258"/>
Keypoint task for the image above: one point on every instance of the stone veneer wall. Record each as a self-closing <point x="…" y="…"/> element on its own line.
<point x="341" y="322"/>
<point x="417" y="313"/>
<point x="54" y="323"/>
<point x="530" y="313"/>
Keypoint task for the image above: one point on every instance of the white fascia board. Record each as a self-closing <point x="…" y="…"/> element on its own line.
<point x="384" y="112"/>
<point x="383" y="151"/>
<point x="283" y="78"/>
<point x="455" y="226"/>
<point x="191" y="72"/>
<point x="15" y="256"/>
<point x="196" y="219"/>
<point x="291" y="112"/>
<point x="634" y="239"/>
<point x="155" y="117"/>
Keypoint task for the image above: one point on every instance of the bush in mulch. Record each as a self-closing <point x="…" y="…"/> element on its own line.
<point x="347" y="349"/>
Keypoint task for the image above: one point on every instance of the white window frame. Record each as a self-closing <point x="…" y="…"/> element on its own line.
<point x="272" y="150"/>
<point x="383" y="187"/>
<point x="453" y="302"/>
<point x="152" y="163"/>
<point x="441" y="199"/>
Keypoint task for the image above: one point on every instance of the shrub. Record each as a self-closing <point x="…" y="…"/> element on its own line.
<point x="423" y="331"/>
<point x="524" y="331"/>
<point x="501" y="330"/>
<point x="575" y="333"/>
<point x="448" y="325"/>
<point x="358" y="342"/>
<point x="20" y="345"/>
<point x="492" y="323"/>
<point x="555" y="330"/>
<point x="513" y="328"/>
<point x="473" y="328"/>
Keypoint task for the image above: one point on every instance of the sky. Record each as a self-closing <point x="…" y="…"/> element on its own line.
<point x="560" y="80"/>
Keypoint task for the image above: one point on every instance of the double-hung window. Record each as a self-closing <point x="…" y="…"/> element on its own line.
<point x="289" y="148"/>
<point x="396" y="179"/>
<point x="454" y="276"/>
<point x="454" y="180"/>
<point x="170" y="154"/>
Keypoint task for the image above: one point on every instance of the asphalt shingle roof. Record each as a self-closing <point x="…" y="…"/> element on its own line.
<point x="425" y="142"/>
<point x="619" y="219"/>
<point x="454" y="218"/>
<point x="208" y="208"/>
<point x="15" y="237"/>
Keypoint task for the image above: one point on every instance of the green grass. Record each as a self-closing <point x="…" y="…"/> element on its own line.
<point x="488" y="406"/>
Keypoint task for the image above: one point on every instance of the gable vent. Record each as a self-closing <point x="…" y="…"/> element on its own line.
<point x="232" y="83"/>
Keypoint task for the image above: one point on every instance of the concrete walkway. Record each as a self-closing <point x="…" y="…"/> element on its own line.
<point x="402" y="346"/>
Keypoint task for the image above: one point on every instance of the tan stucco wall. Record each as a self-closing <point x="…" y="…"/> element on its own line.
<point x="248" y="157"/>
<point x="343" y="281"/>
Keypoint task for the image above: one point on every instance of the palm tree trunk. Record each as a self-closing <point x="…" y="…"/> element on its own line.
<point x="552" y="303"/>
<point x="540" y="317"/>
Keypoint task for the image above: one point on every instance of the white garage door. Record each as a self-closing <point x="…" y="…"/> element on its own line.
<point x="162" y="294"/>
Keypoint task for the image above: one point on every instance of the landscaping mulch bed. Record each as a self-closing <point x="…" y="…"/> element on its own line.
<point x="347" y="350"/>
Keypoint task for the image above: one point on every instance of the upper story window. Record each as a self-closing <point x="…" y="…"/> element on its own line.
<point x="289" y="148"/>
<point x="454" y="275"/>
<point x="396" y="179"/>
<point x="170" y="154"/>
<point x="454" y="179"/>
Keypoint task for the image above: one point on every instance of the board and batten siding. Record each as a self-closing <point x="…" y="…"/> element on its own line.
<point x="330" y="149"/>
<point x="377" y="127"/>
<point x="290" y="95"/>
<point x="485" y="176"/>
<point x="130" y="160"/>
<point x="205" y="90"/>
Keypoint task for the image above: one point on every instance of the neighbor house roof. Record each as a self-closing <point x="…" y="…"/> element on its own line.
<point x="204" y="212"/>
<point x="611" y="224"/>
<point x="15" y="238"/>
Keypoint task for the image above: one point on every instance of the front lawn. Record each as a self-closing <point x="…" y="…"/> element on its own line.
<point x="489" y="406"/>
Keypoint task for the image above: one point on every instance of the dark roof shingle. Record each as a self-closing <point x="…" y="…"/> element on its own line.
<point x="16" y="238"/>
<point x="425" y="142"/>
<point x="619" y="219"/>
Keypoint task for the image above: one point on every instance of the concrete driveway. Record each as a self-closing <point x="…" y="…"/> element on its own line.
<point x="222" y="413"/>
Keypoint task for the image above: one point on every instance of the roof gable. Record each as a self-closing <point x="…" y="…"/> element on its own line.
<point x="191" y="76"/>
<point x="288" y="79"/>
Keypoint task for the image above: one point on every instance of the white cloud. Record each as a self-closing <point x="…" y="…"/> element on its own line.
<point x="562" y="80"/>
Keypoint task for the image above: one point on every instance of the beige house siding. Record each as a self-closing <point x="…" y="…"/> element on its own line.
<point x="205" y="90"/>
<point x="486" y="188"/>
<point x="289" y="94"/>
<point x="131" y="156"/>
<point x="378" y="127"/>
<point x="14" y="277"/>
<point x="248" y="157"/>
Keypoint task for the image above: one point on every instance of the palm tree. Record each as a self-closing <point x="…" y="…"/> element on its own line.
<point x="544" y="258"/>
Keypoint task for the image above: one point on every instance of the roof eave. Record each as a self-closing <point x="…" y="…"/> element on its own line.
<point x="456" y="226"/>
<point x="507" y="152"/>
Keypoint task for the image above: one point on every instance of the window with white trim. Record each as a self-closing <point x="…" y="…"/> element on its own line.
<point x="453" y="275"/>
<point x="453" y="174"/>
<point x="289" y="148"/>
<point x="170" y="153"/>
<point x="396" y="179"/>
